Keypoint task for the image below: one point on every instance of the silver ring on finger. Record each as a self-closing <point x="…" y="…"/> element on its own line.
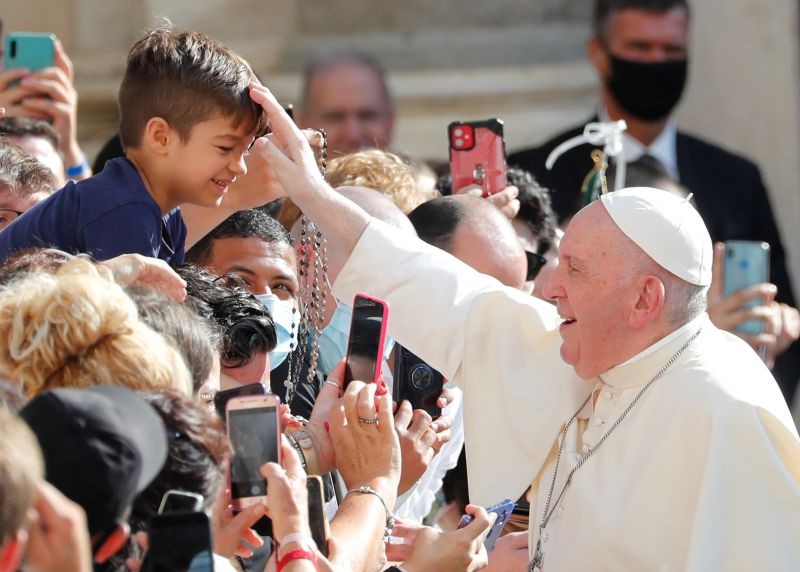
<point x="373" y="421"/>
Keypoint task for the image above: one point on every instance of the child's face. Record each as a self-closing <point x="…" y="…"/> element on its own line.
<point x="208" y="162"/>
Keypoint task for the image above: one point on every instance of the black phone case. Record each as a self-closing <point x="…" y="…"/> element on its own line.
<point x="416" y="381"/>
<point x="317" y="519"/>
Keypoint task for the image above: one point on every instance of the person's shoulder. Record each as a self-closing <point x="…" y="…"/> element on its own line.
<point x="117" y="186"/>
<point x="725" y="376"/>
<point x="712" y="154"/>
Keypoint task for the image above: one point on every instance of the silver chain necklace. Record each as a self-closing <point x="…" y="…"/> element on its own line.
<point x="538" y="555"/>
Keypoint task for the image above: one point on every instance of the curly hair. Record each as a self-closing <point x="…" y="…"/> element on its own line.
<point x="197" y="456"/>
<point x="384" y="172"/>
<point x="76" y="327"/>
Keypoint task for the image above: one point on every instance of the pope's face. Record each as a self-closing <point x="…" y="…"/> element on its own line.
<point x="593" y="292"/>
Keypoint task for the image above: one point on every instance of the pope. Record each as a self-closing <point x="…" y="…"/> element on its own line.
<point x="651" y="440"/>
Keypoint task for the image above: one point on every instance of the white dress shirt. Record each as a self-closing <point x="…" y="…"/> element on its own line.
<point x="663" y="148"/>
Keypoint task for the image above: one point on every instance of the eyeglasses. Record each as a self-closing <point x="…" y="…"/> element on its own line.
<point x="535" y="263"/>
<point x="7" y="216"/>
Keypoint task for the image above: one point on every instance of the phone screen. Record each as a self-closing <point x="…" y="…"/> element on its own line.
<point x="365" y="348"/>
<point x="253" y="435"/>
<point x="179" y="542"/>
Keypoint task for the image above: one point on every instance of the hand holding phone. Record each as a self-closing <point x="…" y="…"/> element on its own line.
<point x="746" y="264"/>
<point x="503" y="511"/>
<point x="254" y="433"/>
<point x="478" y="155"/>
<point x="30" y="50"/>
<point x="367" y="339"/>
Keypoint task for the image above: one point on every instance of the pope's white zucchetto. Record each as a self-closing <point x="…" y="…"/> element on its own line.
<point x="667" y="227"/>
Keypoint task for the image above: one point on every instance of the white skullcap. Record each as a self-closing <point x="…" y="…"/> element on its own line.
<point x="667" y="228"/>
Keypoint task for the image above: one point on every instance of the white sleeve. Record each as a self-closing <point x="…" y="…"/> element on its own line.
<point x="500" y="345"/>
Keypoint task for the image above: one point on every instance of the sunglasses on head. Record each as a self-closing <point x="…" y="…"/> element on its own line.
<point x="535" y="263"/>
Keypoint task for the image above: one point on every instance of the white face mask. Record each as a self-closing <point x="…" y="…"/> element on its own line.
<point x="333" y="341"/>
<point x="284" y="315"/>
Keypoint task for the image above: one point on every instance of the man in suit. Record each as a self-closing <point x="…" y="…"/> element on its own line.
<point x="640" y="51"/>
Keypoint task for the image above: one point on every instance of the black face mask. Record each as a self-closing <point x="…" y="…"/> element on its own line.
<point x="649" y="91"/>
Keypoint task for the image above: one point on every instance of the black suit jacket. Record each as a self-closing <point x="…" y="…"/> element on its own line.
<point x="728" y="191"/>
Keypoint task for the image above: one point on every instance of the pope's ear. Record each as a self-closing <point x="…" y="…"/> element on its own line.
<point x="651" y="300"/>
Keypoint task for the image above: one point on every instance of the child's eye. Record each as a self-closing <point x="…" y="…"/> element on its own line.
<point x="225" y="149"/>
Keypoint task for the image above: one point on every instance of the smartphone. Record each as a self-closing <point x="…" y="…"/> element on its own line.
<point x="478" y="155"/>
<point x="221" y="398"/>
<point x="179" y="542"/>
<point x="746" y="264"/>
<point x="317" y="519"/>
<point x="180" y="501"/>
<point x="30" y="50"/>
<point x="254" y="433"/>
<point x="367" y="338"/>
<point x="503" y="511"/>
<point x="416" y="381"/>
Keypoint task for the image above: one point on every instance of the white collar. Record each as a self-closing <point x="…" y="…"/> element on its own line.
<point x="640" y="368"/>
<point x="663" y="148"/>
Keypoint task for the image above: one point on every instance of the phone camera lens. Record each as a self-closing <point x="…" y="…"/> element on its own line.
<point x="421" y="377"/>
<point x="12" y="48"/>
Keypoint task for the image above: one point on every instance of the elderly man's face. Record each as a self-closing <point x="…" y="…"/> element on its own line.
<point x="593" y="291"/>
<point x="349" y="102"/>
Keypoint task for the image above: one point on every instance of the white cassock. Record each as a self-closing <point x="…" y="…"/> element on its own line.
<point x="702" y="474"/>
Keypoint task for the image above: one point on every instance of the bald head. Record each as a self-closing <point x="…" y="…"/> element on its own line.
<point x="476" y="232"/>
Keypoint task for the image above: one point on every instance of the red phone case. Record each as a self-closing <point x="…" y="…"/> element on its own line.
<point x="478" y="155"/>
<point x="381" y="338"/>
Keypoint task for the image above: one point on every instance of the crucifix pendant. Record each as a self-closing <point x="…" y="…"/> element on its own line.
<point x="538" y="557"/>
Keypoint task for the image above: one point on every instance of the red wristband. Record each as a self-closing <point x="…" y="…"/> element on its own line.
<point x="296" y="554"/>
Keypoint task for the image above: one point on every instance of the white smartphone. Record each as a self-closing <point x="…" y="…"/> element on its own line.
<point x="180" y="501"/>
<point x="254" y="433"/>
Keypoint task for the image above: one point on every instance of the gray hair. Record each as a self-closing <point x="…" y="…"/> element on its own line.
<point x="21" y="172"/>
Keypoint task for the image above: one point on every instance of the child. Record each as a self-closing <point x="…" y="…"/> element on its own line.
<point x="186" y="120"/>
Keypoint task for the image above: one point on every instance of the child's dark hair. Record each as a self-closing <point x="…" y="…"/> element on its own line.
<point x="185" y="78"/>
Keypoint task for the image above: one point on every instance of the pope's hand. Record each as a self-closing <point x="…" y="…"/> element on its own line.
<point x="286" y="150"/>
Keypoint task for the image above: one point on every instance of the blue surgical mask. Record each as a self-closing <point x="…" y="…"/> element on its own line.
<point x="284" y="316"/>
<point x="333" y="341"/>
